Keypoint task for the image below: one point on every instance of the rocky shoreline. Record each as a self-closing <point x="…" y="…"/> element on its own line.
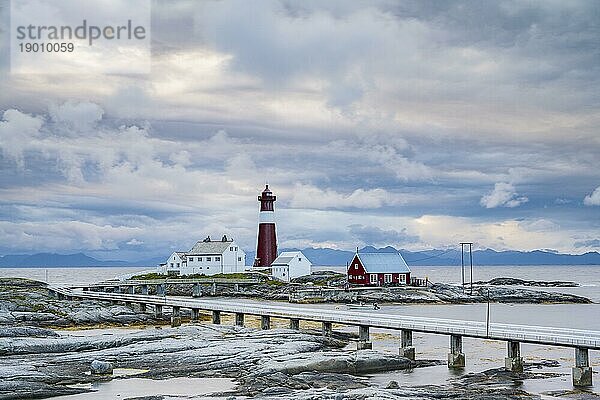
<point x="39" y="362"/>
<point x="330" y="287"/>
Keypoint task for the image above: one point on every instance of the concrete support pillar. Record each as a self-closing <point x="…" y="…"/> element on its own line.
<point x="514" y="362"/>
<point x="363" y="338"/>
<point x="236" y="287"/>
<point x="239" y="319"/>
<point x="196" y="290"/>
<point x="295" y="324"/>
<point x="216" y="317"/>
<point x="195" y="314"/>
<point x="143" y="307"/>
<point x="456" y="358"/>
<point x="161" y="289"/>
<point x="158" y="310"/>
<point x="213" y="291"/>
<point x="406" y="344"/>
<point x="144" y="290"/>
<point x="582" y="372"/>
<point x="176" y="317"/>
<point x="327" y="329"/>
<point x="265" y="322"/>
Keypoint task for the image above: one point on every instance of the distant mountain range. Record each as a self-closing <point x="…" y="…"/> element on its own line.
<point x="329" y="257"/>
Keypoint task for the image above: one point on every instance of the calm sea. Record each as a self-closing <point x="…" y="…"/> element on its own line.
<point x="480" y="354"/>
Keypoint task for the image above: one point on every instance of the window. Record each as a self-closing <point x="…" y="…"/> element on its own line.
<point x="208" y="259"/>
<point x="373" y="278"/>
<point x="199" y="258"/>
<point x="207" y="267"/>
<point x="402" y="278"/>
<point x="387" y="278"/>
<point x="299" y="259"/>
<point x="231" y="248"/>
<point x="356" y="266"/>
<point x="239" y="258"/>
<point x="217" y="258"/>
<point x="177" y="265"/>
<point x="349" y="276"/>
<point x="235" y="248"/>
<point x="191" y="259"/>
<point x="200" y="268"/>
<point x="171" y="264"/>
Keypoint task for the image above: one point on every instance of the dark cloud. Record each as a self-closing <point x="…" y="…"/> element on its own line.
<point x="372" y="235"/>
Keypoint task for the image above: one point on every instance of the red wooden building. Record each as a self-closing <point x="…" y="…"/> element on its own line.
<point x="377" y="269"/>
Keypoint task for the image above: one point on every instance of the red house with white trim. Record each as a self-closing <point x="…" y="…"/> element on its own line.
<point x="377" y="269"/>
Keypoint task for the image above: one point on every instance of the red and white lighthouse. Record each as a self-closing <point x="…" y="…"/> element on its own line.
<point x="266" y="248"/>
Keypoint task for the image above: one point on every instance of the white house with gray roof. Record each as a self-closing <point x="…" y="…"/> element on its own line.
<point x="207" y="257"/>
<point x="289" y="265"/>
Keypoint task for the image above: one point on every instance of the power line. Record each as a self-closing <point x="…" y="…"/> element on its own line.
<point x="434" y="256"/>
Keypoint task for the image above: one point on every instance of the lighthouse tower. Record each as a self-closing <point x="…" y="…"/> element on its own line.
<point x="266" y="248"/>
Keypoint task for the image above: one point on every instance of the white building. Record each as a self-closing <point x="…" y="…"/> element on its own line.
<point x="208" y="257"/>
<point x="290" y="264"/>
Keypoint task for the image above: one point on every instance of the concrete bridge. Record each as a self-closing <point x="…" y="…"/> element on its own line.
<point x="159" y="286"/>
<point x="581" y="340"/>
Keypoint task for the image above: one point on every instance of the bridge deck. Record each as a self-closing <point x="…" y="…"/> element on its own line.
<point x="521" y="333"/>
<point x="139" y="282"/>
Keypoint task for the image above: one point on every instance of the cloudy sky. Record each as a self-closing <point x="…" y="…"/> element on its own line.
<point x="416" y="124"/>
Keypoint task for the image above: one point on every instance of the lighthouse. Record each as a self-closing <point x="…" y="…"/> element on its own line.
<point x="266" y="248"/>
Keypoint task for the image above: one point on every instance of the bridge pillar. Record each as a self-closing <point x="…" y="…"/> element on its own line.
<point x="158" y="311"/>
<point x="216" y="317"/>
<point x="196" y="291"/>
<point x="456" y="358"/>
<point x="144" y="290"/>
<point x="327" y="329"/>
<point x="406" y="344"/>
<point x="195" y="314"/>
<point x="175" y="317"/>
<point x="213" y="291"/>
<point x="239" y="319"/>
<point x="265" y="322"/>
<point x="143" y="307"/>
<point x="363" y="338"/>
<point x="514" y="361"/>
<point x="295" y="324"/>
<point x="161" y="289"/>
<point x="582" y="372"/>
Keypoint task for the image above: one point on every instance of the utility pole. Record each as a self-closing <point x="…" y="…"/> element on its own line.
<point x="462" y="262"/>
<point x="487" y="315"/>
<point x="462" y="268"/>
<point x="471" y="259"/>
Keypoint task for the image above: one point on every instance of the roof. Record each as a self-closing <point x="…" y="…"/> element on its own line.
<point x="285" y="257"/>
<point x="212" y="247"/>
<point x="383" y="262"/>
